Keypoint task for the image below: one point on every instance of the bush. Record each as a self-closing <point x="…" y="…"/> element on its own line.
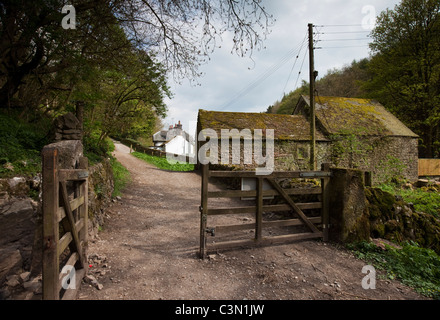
<point x="21" y="143"/>
<point x="423" y="200"/>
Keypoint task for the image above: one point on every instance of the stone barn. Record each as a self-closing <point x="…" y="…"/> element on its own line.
<point x="291" y="137"/>
<point x="366" y="136"/>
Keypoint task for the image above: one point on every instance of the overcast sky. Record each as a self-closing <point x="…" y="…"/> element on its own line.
<point x="232" y="83"/>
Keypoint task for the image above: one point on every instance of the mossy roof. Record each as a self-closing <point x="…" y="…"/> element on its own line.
<point x="286" y="127"/>
<point x="356" y="116"/>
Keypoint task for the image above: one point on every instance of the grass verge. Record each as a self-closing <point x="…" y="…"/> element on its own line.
<point x="427" y="201"/>
<point x="163" y="163"/>
<point x="414" y="266"/>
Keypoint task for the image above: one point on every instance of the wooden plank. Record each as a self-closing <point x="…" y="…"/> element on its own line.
<point x="73" y="174"/>
<point x="289" y="222"/>
<point x="265" y="241"/>
<point x="71" y="262"/>
<point x="429" y="167"/>
<point x="50" y="259"/>
<point x="293" y="205"/>
<point x="273" y="175"/>
<point x="74" y="204"/>
<point x="61" y="213"/>
<point x="72" y="294"/>
<point x="265" y="224"/>
<point x="291" y="237"/>
<point x="71" y="221"/>
<point x="64" y="242"/>
<point x="287" y="207"/>
<point x="231" y="210"/>
<point x="253" y="193"/>
<point x="79" y="225"/>
<point x="232" y="193"/>
<point x="267" y="208"/>
<point x="234" y="227"/>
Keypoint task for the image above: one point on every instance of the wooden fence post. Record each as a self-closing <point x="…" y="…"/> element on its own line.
<point x="204" y="209"/>
<point x="325" y="202"/>
<point x="50" y="200"/>
<point x="83" y="213"/>
<point x="259" y="213"/>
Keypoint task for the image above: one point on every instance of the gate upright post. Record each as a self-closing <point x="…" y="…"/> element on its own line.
<point x="84" y="210"/>
<point x="259" y="213"/>
<point x="50" y="202"/>
<point x="204" y="210"/>
<point x="325" y="182"/>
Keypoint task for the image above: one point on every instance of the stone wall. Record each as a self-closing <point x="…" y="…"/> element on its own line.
<point x="347" y="206"/>
<point x="289" y="155"/>
<point x="358" y="213"/>
<point x="101" y="186"/>
<point x="384" y="157"/>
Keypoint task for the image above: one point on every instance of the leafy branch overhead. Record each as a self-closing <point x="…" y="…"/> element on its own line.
<point x="118" y="57"/>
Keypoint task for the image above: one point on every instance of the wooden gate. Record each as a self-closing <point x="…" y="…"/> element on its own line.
<point x="64" y="197"/>
<point x="311" y="223"/>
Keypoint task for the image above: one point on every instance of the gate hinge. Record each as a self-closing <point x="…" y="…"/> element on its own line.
<point x="211" y="231"/>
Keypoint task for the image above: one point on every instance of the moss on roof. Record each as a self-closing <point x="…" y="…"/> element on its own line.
<point x="357" y="116"/>
<point x="286" y="127"/>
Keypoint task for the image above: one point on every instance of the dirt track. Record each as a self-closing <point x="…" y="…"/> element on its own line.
<point x="148" y="250"/>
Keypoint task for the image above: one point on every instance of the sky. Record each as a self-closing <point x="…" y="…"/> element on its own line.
<point x="243" y="84"/>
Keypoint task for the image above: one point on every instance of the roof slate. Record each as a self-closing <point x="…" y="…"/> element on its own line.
<point x="355" y="116"/>
<point x="286" y="127"/>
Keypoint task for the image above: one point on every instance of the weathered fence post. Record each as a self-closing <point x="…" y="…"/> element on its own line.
<point x="204" y="209"/>
<point x="83" y="210"/>
<point x="50" y="224"/>
<point x="325" y="202"/>
<point x="259" y="213"/>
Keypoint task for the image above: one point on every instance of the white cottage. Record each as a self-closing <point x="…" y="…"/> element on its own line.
<point x="174" y="140"/>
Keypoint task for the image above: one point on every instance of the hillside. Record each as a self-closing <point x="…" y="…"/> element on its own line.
<point x="345" y="82"/>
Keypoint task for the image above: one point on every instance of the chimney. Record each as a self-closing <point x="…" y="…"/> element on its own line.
<point x="171" y="126"/>
<point x="178" y="126"/>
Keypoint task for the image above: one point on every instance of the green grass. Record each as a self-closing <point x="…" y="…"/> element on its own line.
<point x="427" y="201"/>
<point x="20" y="145"/>
<point x="414" y="266"/>
<point x="163" y="163"/>
<point x="121" y="177"/>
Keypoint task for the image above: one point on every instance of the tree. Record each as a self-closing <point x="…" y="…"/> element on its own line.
<point x="344" y="82"/>
<point x="405" y="68"/>
<point x="129" y="96"/>
<point x="34" y="48"/>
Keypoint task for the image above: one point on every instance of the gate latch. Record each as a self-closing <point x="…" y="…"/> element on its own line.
<point x="211" y="231"/>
